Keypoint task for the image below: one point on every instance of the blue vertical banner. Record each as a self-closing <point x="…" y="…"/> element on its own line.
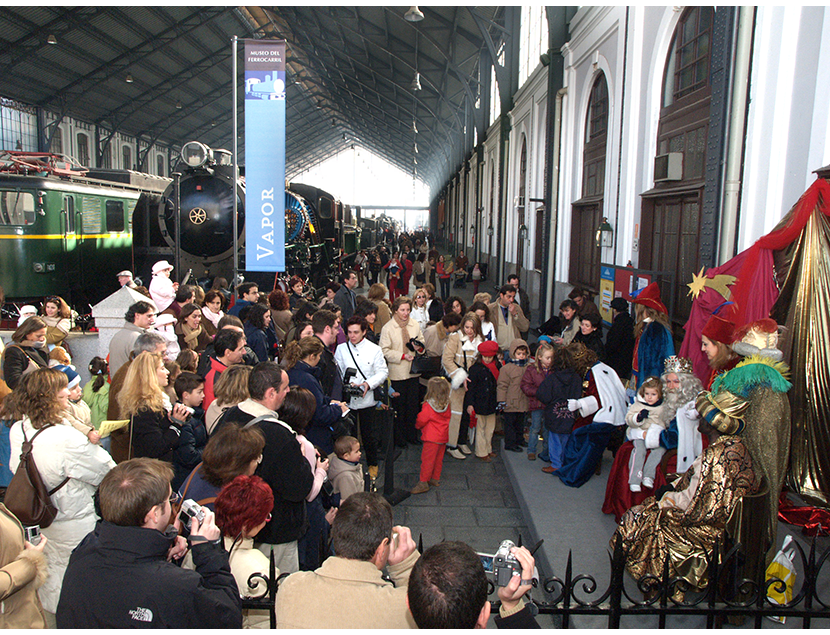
<point x="265" y="155"/>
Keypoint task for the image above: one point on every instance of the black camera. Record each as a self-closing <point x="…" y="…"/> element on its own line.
<point x="505" y="563"/>
<point x="415" y="346"/>
<point x="349" y="390"/>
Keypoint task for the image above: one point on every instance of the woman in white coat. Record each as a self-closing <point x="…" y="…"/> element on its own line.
<point x="65" y="458"/>
<point x="368" y="360"/>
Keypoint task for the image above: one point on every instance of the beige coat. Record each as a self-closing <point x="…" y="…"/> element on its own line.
<point x="506" y="333"/>
<point x="383" y="315"/>
<point x="435" y="337"/>
<point x="22" y="572"/>
<point x="393" y="341"/>
<point x="510" y="383"/>
<point x="453" y="359"/>
<point x="346" y="594"/>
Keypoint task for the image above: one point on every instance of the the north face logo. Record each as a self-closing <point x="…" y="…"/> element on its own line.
<point x="141" y="615"/>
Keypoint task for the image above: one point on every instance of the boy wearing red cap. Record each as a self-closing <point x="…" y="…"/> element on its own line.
<point x="481" y="398"/>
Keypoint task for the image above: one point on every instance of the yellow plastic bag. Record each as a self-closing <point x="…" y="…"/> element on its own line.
<point x="783" y="569"/>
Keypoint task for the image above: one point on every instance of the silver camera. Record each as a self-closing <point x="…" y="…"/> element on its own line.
<point x="505" y="563"/>
<point x="191" y="509"/>
<point x="32" y="534"/>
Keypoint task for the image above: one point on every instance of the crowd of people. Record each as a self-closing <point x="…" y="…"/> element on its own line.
<point x="267" y="411"/>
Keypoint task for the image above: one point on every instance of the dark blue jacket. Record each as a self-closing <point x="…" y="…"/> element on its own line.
<point x="554" y="392"/>
<point x="238" y="306"/>
<point x="326" y="414"/>
<point x="188" y="453"/>
<point x="257" y="341"/>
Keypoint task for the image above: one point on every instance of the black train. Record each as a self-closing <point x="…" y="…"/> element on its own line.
<point x="319" y="230"/>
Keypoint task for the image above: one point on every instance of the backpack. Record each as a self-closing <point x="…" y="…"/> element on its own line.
<point x="27" y="496"/>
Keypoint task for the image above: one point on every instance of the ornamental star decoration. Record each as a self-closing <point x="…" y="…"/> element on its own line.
<point x="719" y="283"/>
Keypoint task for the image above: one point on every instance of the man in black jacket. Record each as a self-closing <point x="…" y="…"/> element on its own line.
<point x="326" y="325"/>
<point x="448" y="589"/>
<point x="283" y="465"/>
<point x="619" y="342"/>
<point x="121" y="575"/>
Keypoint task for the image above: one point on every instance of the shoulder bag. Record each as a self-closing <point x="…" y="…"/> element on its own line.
<point x="27" y="496"/>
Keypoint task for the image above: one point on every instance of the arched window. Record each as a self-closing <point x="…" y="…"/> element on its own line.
<point x="670" y="237"/>
<point x="160" y="164"/>
<point x="126" y="157"/>
<point x="588" y="210"/>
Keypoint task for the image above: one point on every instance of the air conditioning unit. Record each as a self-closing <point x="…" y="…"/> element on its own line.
<point x="668" y="167"/>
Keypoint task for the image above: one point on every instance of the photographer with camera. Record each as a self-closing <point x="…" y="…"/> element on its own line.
<point x="121" y="575"/>
<point x="326" y="327"/>
<point x="364" y="369"/>
<point x="349" y="590"/>
<point x="448" y="587"/>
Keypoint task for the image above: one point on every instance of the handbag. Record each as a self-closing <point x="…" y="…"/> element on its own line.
<point x="27" y="496"/>
<point x="425" y="365"/>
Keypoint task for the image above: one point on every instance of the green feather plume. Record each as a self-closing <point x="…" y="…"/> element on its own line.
<point x="754" y="372"/>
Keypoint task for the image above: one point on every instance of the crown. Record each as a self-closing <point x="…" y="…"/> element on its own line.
<point x="675" y="364"/>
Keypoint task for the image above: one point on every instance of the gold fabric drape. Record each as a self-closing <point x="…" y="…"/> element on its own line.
<point x="804" y="307"/>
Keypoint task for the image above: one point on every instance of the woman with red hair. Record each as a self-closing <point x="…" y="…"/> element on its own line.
<point x="242" y="508"/>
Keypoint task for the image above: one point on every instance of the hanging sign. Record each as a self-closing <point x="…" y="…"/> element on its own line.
<point x="265" y="155"/>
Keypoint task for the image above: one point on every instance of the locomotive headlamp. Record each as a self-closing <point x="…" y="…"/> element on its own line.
<point x="196" y="154"/>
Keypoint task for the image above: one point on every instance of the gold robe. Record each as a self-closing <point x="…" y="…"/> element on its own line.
<point x="686" y="524"/>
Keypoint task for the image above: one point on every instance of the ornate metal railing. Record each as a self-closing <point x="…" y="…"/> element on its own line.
<point x="728" y="597"/>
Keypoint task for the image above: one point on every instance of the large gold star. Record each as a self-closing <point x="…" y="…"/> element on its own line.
<point x="697" y="284"/>
<point x="719" y="283"/>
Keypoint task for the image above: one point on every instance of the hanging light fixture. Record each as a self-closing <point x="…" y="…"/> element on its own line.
<point x="178" y="105"/>
<point x="129" y="78"/>
<point x="413" y="15"/>
<point x="416" y="148"/>
<point x="416" y="82"/>
<point x="51" y="39"/>
<point x="414" y="127"/>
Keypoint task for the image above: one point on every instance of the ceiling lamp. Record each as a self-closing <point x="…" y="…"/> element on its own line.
<point x="178" y="105"/>
<point x="416" y="148"/>
<point x="414" y="127"/>
<point x="333" y="122"/>
<point x="416" y="82"/>
<point x="51" y="40"/>
<point x="413" y="15"/>
<point x="129" y="78"/>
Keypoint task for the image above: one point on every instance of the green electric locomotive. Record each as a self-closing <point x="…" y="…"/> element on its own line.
<point x="66" y="230"/>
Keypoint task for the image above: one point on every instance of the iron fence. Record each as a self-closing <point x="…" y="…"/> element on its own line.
<point x="729" y="597"/>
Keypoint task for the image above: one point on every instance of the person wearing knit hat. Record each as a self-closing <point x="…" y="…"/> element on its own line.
<point x="683" y="525"/>
<point x="652" y="333"/>
<point x="716" y="338"/>
<point x="481" y="399"/>
<point x="77" y="412"/>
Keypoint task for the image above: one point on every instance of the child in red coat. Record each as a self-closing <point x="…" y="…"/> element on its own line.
<point x="434" y="423"/>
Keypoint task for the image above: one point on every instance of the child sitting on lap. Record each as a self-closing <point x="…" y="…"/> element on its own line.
<point x="645" y="412"/>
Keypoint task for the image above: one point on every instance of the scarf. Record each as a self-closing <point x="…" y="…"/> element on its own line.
<point x="191" y="336"/>
<point x="213" y="317"/>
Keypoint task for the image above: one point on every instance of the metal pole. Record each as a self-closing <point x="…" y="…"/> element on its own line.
<point x="177" y="256"/>
<point x="234" y="81"/>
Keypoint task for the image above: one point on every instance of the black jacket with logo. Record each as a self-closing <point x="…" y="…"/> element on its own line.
<point x="119" y="577"/>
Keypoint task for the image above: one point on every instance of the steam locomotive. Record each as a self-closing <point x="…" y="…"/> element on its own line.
<point x="67" y="230"/>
